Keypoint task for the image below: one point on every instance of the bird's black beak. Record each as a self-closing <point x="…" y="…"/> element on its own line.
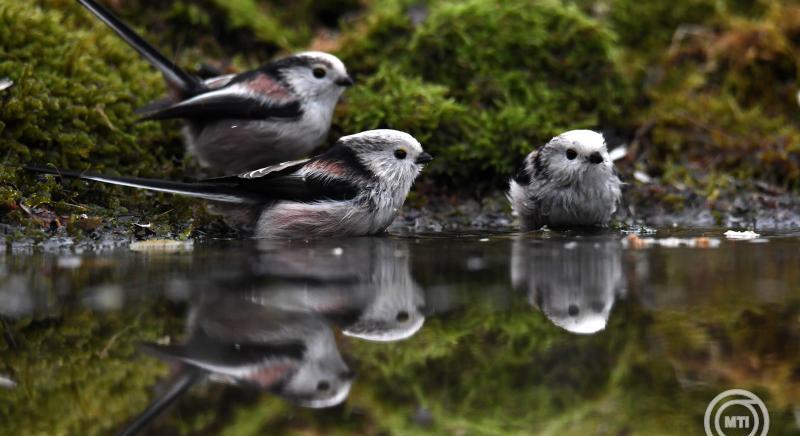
<point x="423" y="158"/>
<point x="595" y="158"/>
<point x="346" y="82"/>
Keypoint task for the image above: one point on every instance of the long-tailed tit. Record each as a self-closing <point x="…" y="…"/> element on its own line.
<point x="355" y="188"/>
<point x="278" y="112"/>
<point x="569" y="182"/>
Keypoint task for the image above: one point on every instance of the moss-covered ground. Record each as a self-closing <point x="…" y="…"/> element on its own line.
<point x="703" y="92"/>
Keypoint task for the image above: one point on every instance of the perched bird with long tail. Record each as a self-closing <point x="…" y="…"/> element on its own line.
<point x="240" y="122"/>
<point x="355" y="188"/>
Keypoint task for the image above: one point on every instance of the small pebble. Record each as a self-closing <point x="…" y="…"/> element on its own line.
<point x="747" y="234"/>
<point x="162" y="245"/>
<point x="637" y="243"/>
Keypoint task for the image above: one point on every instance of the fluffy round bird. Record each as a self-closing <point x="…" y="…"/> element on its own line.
<point x="239" y="122"/>
<point x="569" y="182"/>
<point x="355" y="188"/>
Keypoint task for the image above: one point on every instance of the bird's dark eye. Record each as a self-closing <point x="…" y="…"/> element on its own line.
<point x="323" y="386"/>
<point x="400" y="153"/>
<point x="319" y="72"/>
<point x="402" y="316"/>
<point x="573" y="310"/>
<point x="571" y="153"/>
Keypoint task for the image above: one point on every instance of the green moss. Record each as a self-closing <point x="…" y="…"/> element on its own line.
<point x="505" y="94"/>
<point x="481" y="83"/>
<point x="76" y="87"/>
<point x="250" y="32"/>
<point x="652" y="25"/>
<point x="723" y="113"/>
<point x="79" y="372"/>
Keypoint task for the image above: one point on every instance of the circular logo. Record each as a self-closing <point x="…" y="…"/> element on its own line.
<point x="736" y="412"/>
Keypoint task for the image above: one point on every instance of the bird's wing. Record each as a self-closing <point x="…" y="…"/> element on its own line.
<point x="218" y="81"/>
<point x="251" y="95"/>
<point x="228" y="358"/>
<point x="273" y="170"/>
<point x="331" y="176"/>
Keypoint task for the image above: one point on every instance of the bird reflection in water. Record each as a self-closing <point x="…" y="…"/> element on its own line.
<point x="234" y="341"/>
<point x="364" y="287"/>
<point x="574" y="284"/>
<point x="276" y="335"/>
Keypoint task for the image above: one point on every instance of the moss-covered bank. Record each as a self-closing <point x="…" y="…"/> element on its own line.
<point x="497" y="80"/>
<point x="703" y="91"/>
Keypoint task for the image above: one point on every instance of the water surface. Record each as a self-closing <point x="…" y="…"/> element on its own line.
<point x="484" y="333"/>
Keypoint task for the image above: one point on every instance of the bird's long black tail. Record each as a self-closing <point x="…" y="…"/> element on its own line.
<point x="181" y="384"/>
<point x="177" y="77"/>
<point x="215" y="191"/>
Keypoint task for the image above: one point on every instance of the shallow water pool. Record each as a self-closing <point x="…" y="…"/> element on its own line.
<point x="469" y="333"/>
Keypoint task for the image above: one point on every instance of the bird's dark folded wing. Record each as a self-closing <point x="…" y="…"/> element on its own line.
<point x="270" y="171"/>
<point x="522" y="176"/>
<point x="297" y="187"/>
<point x="299" y="180"/>
<point x="231" y="102"/>
<point x="211" y="355"/>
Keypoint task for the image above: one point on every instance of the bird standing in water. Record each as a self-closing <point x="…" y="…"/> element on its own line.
<point x="570" y="181"/>
<point x="355" y="188"/>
